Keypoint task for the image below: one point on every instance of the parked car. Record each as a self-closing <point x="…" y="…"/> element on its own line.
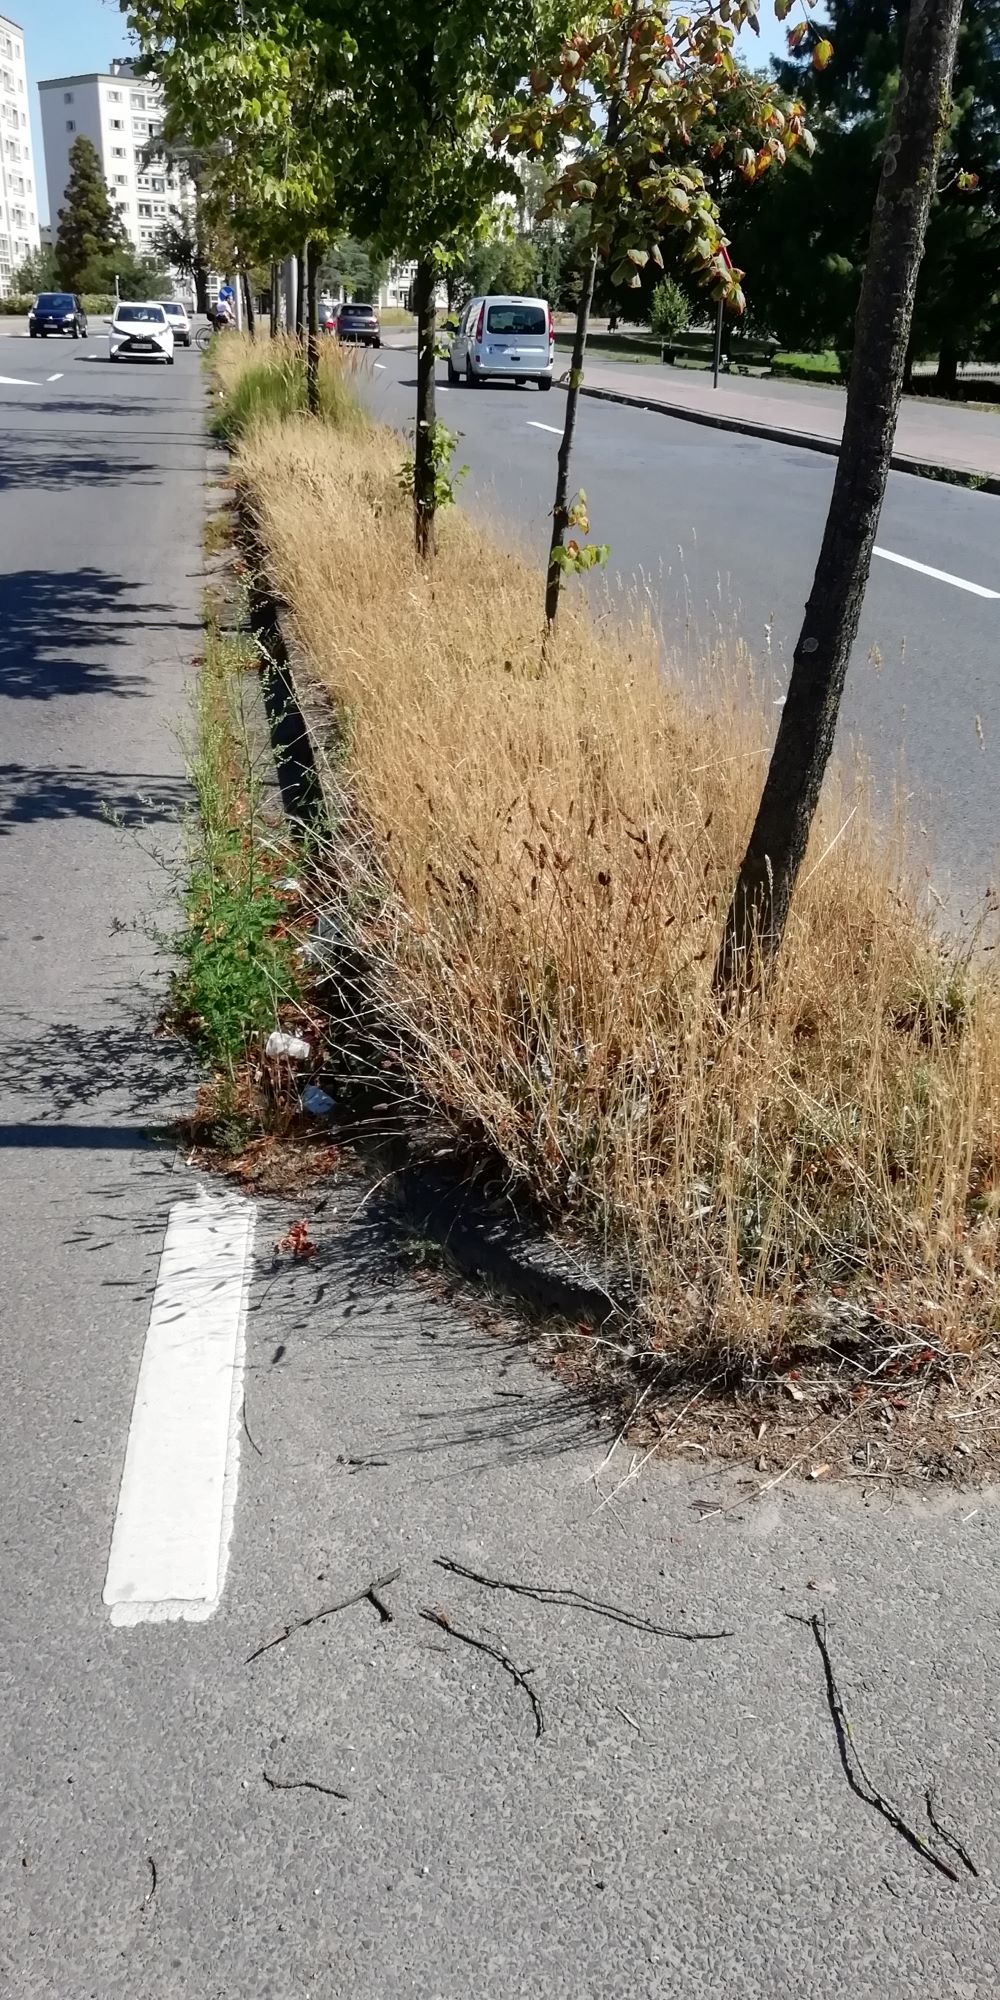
<point x="141" y="326"/>
<point x="358" y="322"/>
<point x="177" y="314"/>
<point x="57" y="312"/>
<point x="510" y="338"/>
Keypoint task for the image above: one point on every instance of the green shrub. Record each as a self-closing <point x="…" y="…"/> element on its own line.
<point x="670" y="310"/>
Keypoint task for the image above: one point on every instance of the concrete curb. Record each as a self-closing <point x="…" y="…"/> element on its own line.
<point x="775" y="434"/>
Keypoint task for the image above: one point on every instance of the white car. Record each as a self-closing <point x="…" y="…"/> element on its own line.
<point x="141" y="327"/>
<point x="178" y="316"/>
<point x="513" y="338"/>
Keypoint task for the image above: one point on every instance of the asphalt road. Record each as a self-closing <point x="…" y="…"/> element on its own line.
<point x="683" y="1826"/>
<point x="720" y="533"/>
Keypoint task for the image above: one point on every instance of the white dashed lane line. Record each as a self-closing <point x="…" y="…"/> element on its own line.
<point x="170" y="1544"/>
<point x="554" y="428"/>
<point x="939" y="575"/>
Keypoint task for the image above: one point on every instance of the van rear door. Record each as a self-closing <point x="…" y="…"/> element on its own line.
<point x="515" y="339"/>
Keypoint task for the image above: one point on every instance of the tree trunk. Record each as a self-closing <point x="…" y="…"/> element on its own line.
<point x="312" y="352"/>
<point x="300" y="296"/>
<point x="560" y="509"/>
<point x="275" y="300"/>
<point x="291" y="283"/>
<point x="759" y="910"/>
<point x="201" y="287"/>
<point x="248" y="304"/>
<point x="946" y="379"/>
<point x="423" y="444"/>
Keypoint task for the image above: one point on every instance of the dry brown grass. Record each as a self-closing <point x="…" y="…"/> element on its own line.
<point x="548" y="858"/>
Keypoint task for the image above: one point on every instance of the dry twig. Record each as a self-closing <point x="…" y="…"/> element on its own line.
<point x="518" y="1674"/>
<point x="151" y="1891"/>
<point x="575" y="1600"/>
<point x="368" y="1594"/>
<point x="857" y="1777"/>
<point x="303" y="1785"/>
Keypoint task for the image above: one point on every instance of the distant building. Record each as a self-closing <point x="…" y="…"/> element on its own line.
<point x="122" y="115"/>
<point x="18" y="190"/>
<point x="397" y="288"/>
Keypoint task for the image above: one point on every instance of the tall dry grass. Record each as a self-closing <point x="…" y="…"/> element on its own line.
<point x="549" y="856"/>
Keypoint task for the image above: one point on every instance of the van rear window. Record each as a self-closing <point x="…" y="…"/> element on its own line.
<point x="516" y="319"/>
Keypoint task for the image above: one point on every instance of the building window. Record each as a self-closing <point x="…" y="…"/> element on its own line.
<point x="70" y="126"/>
<point x="117" y="124"/>
<point x="118" y="152"/>
<point x="158" y="186"/>
<point x="138" y="101"/>
<point x="114" y="97"/>
<point x="121" y="180"/>
<point x="145" y="208"/>
<point x="67" y="97"/>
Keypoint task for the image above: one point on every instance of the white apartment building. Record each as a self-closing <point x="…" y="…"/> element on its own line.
<point x="18" y="192"/>
<point x="122" y="115"/>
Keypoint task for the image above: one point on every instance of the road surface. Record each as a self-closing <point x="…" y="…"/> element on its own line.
<point x="720" y="533"/>
<point x="170" y="1820"/>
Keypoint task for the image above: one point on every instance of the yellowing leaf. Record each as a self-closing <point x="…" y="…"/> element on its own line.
<point x="822" y="54"/>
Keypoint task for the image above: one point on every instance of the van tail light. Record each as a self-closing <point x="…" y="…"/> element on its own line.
<point x="552" y="328"/>
<point x="479" y="323"/>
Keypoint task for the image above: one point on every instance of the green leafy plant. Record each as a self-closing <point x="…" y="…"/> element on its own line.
<point x="446" y="477"/>
<point x="573" y="556"/>
<point x="670" y="309"/>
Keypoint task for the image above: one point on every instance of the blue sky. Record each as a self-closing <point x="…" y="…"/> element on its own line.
<point x="70" y="37"/>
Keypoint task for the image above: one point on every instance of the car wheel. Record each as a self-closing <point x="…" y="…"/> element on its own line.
<point x="474" y="381"/>
<point x="519" y="381"/>
<point x="545" y="381"/>
<point x="32" y="335"/>
<point x="453" y="374"/>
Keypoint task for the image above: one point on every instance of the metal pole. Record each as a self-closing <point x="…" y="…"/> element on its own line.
<point x="717" y="356"/>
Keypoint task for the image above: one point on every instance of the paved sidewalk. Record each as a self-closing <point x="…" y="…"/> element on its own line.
<point x="928" y="433"/>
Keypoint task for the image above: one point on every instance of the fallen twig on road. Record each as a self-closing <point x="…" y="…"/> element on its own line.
<point x="950" y="1839"/>
<point x="576" y="1600"/>
<point x="857" y="1777"/>
<point x="249" y="1434"/>
<point x="518" y="1674"/>
<point x="151" y="1891"/>
<point x="303" y="1785"/>
<point x="368" y="1594"/>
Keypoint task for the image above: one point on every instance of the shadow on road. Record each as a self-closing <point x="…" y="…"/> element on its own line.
<point x="31" y="792"/>
<point x="62" y="465"/>
<point x="58" y="627"/>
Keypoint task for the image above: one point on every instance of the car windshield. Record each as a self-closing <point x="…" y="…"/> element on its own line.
<point x="173" y="309"/>
<point x="55" y="302"/>
<point x="147" y="315"/>
<point x="516" y="319"/>
<point x="357" y="312"/>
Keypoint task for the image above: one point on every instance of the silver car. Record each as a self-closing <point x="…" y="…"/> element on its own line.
<point x="508" y="338"/>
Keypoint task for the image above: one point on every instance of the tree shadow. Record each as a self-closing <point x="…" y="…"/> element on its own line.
<point x="65" y="467"/>
<point x="57" y="625"/>
<point x="67" y="1065"/>
<point x="31" y="792"/>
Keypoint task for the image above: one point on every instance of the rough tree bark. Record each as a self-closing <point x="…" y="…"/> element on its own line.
<point x="759" y="910"/>
<point x="312" y="314"/>
<point x="560" y="508"/>
<point x="248" y="305"/>
<point x="423" y="444"/>
<point x="201" y="287"/>
<point x="275" y="307"/>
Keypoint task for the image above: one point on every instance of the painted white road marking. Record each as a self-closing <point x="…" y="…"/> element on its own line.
<point x="17" y="381"/>
<point x="378" y="364"/>
<point x="170" y="1544"/>
<point x="53" y="378"/>
<point x="554" y="428"/>
<point x="939" y="575"/>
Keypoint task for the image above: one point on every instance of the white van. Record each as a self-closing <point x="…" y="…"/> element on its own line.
<point x="509" y="337"/>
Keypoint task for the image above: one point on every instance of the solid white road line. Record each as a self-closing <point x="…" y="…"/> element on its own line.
<point x="939" y="575"/>
<point x="17" y="381"/>
<point x="170" y="1545"/>
<point x="554" y="428"/>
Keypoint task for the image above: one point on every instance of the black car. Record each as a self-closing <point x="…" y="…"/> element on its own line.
<point x="57" y="312"/>
<point x="356" y="322"/>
